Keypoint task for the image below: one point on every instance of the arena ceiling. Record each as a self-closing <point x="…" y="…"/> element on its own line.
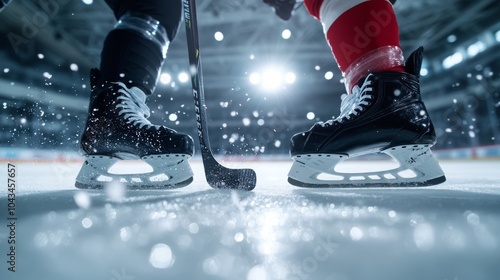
<point x="50" y="62"/>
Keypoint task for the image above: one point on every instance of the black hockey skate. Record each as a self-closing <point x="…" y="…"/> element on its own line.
<point x="384" y="114"/>
<point x="117" y="129"/>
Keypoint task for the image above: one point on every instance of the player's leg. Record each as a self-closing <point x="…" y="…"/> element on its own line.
<point x="363" y="36"/>
<point x="135" y="49"/>
<point x="383" y="111"/>
<point x="117" y="127"/>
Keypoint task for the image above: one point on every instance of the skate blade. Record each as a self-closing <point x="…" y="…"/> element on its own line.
<point x="169" y="171"/>
<point x="417" y="167"/>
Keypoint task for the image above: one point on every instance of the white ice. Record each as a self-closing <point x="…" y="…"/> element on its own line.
<point x="450" y="231"/>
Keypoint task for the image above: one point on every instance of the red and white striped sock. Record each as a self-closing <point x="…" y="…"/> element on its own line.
<point x="363" y="36"/>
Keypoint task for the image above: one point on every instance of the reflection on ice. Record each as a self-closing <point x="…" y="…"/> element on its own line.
<point x="472" y="218"/>
<point x="274" y="232"/>
<point x="87" y="222"/>
<point x="356" y="233"/>
<point x="82" y="199"/>
<point x="257" y="273"/>
<point x="423" y="235"/>
<point x="125" y="234"/>
<point x="161" y="256"/>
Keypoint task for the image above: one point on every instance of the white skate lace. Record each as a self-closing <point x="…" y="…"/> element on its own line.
<point x="353" y="104"/>
<point x="133" y="106"/>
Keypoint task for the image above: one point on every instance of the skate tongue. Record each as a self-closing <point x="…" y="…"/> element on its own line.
<point x="133" y="105"/>
<point x="348" y="103"/>
<point x="414" y="62"/>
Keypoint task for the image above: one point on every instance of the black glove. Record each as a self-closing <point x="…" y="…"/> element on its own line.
<point x="282" y="8"/>
<point x="3" y="4"/>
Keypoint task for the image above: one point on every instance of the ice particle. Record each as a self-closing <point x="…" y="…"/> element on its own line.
<point x="193" y="70"/>
<point x="125" y="233"/>
<point x="172" y="117"/>
<point x="286" y="34"/>
<point x="328" y="75"/>
<point x="161" y="256"/>
<point x="257" y="273"/>
<point x="115" y="191"/>
<point x="86" y="222"/>
<point x="211" y="266"/>
<point x="82" y="199"/>
<point x="310" y="116"/>
<point x="392" y="214"/>
<point x="238" y="237"/>
<point x="246" y="121"/>
<point x="356" y="233"/>
<point x="423" y="236"/>
<point x="473" y="219"/>
<point x="194" y="228"/>
<point x="277" y="143"/>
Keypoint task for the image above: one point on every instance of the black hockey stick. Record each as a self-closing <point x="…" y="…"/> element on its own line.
<point x="218" y="176"/>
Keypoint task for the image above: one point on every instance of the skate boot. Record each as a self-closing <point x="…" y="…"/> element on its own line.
<point x="117" y="129"/>
<point x="383" y="114"/>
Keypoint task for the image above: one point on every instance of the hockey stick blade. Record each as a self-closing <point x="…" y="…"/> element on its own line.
<point x="218" y="176"/>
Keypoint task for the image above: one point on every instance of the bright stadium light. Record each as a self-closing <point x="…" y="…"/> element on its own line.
<point x="165" y="78"/>
<point x="290" y="78"/>
<point x="453" y="60"/>
<point x="183" y="77"/>
<point x="286" y="34"/>
<point x="271" y="79"/>
<point x="476" y="48"/>
<point x="219" y="36"/>
<point x="254" y="78"/>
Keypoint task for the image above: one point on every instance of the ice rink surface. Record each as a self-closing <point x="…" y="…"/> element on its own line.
<point x="447" y="232"/>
